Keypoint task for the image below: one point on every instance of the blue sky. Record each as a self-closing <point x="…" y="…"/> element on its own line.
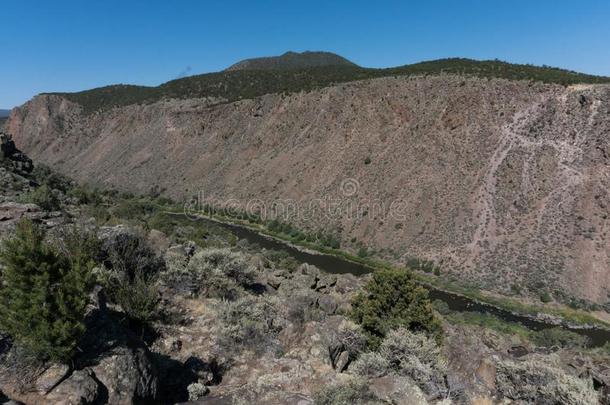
<point x="74" y="45"/>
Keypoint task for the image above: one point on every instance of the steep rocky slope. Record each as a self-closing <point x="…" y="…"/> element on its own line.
<point x="504" y="183"/>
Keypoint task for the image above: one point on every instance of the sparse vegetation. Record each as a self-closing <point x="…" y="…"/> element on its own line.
<point x="405" y="353"/>
<point x="248" y="322"/>
<point x="560" y="338"/>
<point x="236" y="85"/>
<point x="536" y="380"/>
<point x="347" y="337"/>
<point x="44" y="197"/>
<point x="352" y="391"/>
<point x="131" y="279"/>
<point x="213" y="273"/>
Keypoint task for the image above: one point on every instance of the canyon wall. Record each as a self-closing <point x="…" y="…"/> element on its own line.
<point x="504" y="183"/>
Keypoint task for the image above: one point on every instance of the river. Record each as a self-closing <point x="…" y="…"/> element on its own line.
<point x="337" y="265"/>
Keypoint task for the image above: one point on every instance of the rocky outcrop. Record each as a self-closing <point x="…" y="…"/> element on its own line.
<point x="15" y="170"/>
<point x="12" y="158"/>
<point x="112" y="366"/>
<point x="502" y="183"/>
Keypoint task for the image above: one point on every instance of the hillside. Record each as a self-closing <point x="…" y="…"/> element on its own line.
<point x="504" y="184"/>
<point x="211" y="321"/>
<point x="292" y="60"/>
<point x="232" y="85"/>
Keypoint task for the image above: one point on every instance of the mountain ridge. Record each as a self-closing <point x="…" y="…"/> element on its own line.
<point x="292" y="60"/>
<point x="229" y="86"/>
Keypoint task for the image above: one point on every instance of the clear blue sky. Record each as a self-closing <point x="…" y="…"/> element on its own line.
<point x="74" y="45"/>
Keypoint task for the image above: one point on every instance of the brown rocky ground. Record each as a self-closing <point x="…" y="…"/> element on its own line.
<point x="502" y="182"/>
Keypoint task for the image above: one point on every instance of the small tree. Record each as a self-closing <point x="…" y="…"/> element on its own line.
<point x="392" y="299"/>
<point x="43" y="293"/>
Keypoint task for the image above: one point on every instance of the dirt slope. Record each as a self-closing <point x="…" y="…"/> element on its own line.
<point x="505" y="183"/>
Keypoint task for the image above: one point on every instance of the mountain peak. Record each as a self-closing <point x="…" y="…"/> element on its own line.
<point x="292" y="60"/>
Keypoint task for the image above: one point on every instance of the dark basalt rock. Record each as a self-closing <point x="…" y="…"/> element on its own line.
<point x="13" y="158"/>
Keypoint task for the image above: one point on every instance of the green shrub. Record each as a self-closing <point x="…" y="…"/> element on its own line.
<point x="43" y="293"/>
<point x="371" y="365"/>
<point x="85" y="195"/>
<point x="539" y="379"/>
<point x="134" y="209"/>
<point x="131" y="279"/>
<point x="546" y="297"/>
<point x="559" y="337"/>
<point x="100" y="213"/>
<point x="404" y="353"/>
<point x="47" y="176"/>
<point x="139" y="297"/>
<point x="281" y="259"/>
<point x="390" y="300"/>
<point x="441" y="307"/>
<point x="213" y="273"/>
<point x="223" y="263"/>
<point x="353" y="391"/>
<point x="363" y="252"/>
<point x="130" y="254"/>
<point x="248" y="322"/>
<point x="44" y="197"/>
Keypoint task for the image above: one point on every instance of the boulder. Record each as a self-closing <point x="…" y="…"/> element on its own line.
<point x="119" y="359"/>
<point x="327" y="304"/>
<point x="305" y="280"/>
<point x="15" y="211"/>
<point x="326" y="281"/>
<point x="518" y="351"/>
<point x="158" y="240"/>
<point x="79" y="389"/>
<point x="274" y="282"/>
<point x="51" y="377"/>
<point x="128" y="375"/>
<point x="308" y="269"/>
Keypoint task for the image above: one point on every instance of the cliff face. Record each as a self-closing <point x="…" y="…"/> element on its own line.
<point x="504" y="183"/>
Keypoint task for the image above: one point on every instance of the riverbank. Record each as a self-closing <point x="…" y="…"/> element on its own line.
<point x="536" y="316"/>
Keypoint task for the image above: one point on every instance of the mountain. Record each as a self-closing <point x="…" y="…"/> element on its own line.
<point x="229" y="86"/>
<point x="503" y="183"/>
<point x="292" y="60"/>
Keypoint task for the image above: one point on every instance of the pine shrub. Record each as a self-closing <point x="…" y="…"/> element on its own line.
<point x="43" y="293"/>
<point x="390" y="300"/>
